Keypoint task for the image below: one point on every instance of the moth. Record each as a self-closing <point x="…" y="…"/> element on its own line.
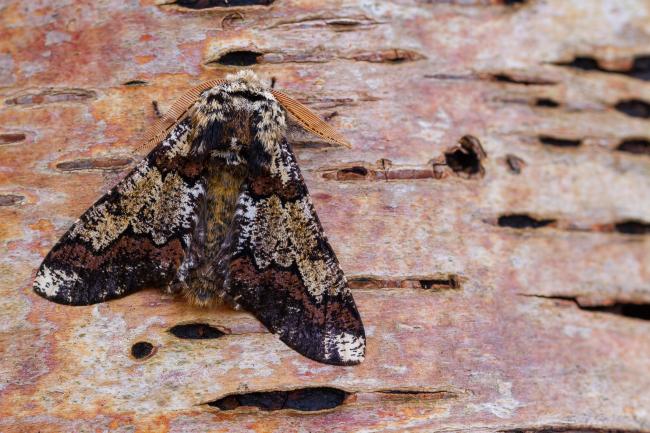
<point x="218" y="211"/>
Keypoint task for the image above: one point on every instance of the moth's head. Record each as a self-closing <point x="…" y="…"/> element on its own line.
<point x="239" y="122"/>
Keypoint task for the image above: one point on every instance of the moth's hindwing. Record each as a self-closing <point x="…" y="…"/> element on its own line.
<point x="136" y="235"/>
<point x="282" y="268"/>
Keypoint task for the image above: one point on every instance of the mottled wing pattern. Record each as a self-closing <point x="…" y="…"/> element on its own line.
<point x="281" y="267"/>
<point x="136" y="235"/>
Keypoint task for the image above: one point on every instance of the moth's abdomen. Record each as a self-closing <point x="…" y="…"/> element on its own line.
<point x="203" y="284"/>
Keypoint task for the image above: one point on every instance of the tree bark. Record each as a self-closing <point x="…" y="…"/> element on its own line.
<point x="504" y="282"/>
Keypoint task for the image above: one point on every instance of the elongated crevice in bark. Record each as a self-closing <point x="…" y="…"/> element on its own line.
<point x="520" y="79"/>
<point x="408" y="392"/>
<point x="196" y="331"/>
<point x="634" y="108"/>
<point x="353" y="173"/>
<point x="546" y="102"/>
<point x="209" y="4"/>
<point x="238" y="58"/>
<point x="47" y="96"/>
<point x="450" y="283"/>
<point x="302" y="399"/>
<point x="464" y="159"/>
<point x="638" y="146"/>
<point x="480" y="2"/>
<point x="247" y="57"/>
<point x="522" y="221"/>
<point x="626" y="309"/>
<point x="10" y="138"/>
<point x="373" y="172"/>
<point x="133" y="83"/>
<point x="559" y="142"/>
<point x="433" y="283"/>
<point x="11" y="199"/>
<point x="409" y="396"/>
<point x="323" y="398"/>
<point x="634" y="311"/>
<point x="568" y="429"/>
<point x="349" y="24"/>
<point x="639" y="67"/>
<point x="337" y="24"/>
<point x="391" y="55"/>
<point x="632" y="227"/>
<point x="100" y="163"/>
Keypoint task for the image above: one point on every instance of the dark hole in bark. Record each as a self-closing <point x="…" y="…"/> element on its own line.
<point x="441" y="283"/>
<point x="522" y="221"/>
<point x="638" y="146"/>
<point x="583" y="62"/>
<point x="361" y="171"/>
<point x="636" y="311"/>
<point x="11" y="199"/>
<point x="633" y="227"/>
<point x="546" y="102"/>
<point x="239" y="58"/>
<point x="196" y="331"/>
<point x="304" y="399"/>
<point x="352" y="173"/>
<point x="273" y="81"/>
<point x="466" y="158"/>
<point x="634" y="108"/>
<point x="142" y="350"/>
<point x="515" y="164"/>
<point x="12" y="138"/>
<point x="505" y="78"/>
<point x="559" y="142"/>
<point x="399" y="57"/>
<point x="452" y="281"/>
<point x="640" y="68"/>
<point x="206" y="4"/>
<point x="134" y="83"/>
<point x="626" y="309"/>
<point x="343" y="22"/>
